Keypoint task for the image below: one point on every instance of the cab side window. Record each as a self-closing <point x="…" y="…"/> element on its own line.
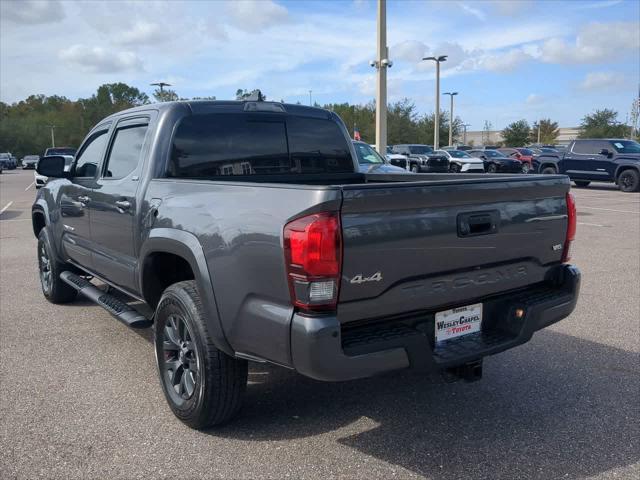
<point x="89" y="157"/>
<point x="125" y="151"/>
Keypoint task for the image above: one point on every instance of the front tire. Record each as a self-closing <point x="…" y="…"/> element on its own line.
<point x="525" y="167"/>
<point x="492" y="168"/>
<point x="629" y="181"/>
<point x="414" y="168"/>
<point x="454" y="168"/>
<point x="50" y="268"/>
<point x="203" y="385"/>
<point x="548" y="171"/>
<point x="581" y="183"/>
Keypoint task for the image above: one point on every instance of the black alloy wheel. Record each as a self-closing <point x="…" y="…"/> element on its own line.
<point x="180" y="364"/>
<point x="44" y="263"/>
<point x="629" y="181"/>
<point x="492" y="168"/>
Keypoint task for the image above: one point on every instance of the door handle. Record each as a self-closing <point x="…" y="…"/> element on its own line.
<point x="123" y="205"/>
<point x="84" y="199"/>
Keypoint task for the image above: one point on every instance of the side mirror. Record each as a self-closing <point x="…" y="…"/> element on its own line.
<point x="605" y="152"/>
<point x="52" y="166"/>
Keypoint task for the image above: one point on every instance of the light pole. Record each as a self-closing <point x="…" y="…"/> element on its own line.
<point x="310" y="103"/>
<point x="436" y="123"/>
<point x="53" y="137"/>
<point x="464" y="138"/>
<point x="451" y="94"/>
<point x="381" y="64"/>
<point x="161" y="85"/>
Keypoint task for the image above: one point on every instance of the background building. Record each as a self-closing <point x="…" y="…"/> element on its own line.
<point x="492" y="137"/>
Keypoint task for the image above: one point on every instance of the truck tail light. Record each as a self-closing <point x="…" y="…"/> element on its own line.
<point x="313" y="256"/>
<point x="571" y="228"/>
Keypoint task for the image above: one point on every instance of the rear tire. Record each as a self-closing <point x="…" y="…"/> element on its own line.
<point x="454" y="168"/>
<point x="203" y="386"/>
<point x="581" y="183"/>
<point x="492" y="168"/>
<point x="50" y="268"/>
<point x="549" y="171"/>
<point x="629" y="181"/>
<point x="414" y="168"/>
<point x="525" y="167"/>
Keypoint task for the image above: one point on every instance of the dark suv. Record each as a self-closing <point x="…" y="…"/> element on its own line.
<point x="601" y="160"/>
<point x="422" y="158"/>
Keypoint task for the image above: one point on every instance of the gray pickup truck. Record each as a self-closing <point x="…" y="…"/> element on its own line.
<point x="242" y="231"/>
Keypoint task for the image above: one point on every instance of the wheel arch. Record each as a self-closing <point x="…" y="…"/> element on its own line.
<point x="39" y="218"/>
<point x="622" y="168"/>
<point x="183" y="250"/>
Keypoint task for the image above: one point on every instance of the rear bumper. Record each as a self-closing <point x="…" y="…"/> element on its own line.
<point x="323" y="349"/>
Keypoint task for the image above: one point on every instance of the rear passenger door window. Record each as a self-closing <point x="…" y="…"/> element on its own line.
<point x="585" y="148"/>
<point x="126" y="149"/>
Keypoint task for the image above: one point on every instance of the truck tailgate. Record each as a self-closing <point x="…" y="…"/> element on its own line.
<point x="421" y="246"/>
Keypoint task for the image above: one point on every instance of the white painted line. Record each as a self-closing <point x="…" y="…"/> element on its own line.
<point x="30" y="185"/>
<point x="579" y="223"/>
<point x="609" y="210"/>
<point x="5" y="207"/>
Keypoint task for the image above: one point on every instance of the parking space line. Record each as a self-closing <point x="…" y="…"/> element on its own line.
<point x="591" y="224"/>
<point x="5" y="207"/>
<point x="30" y="185"/>
<point x="609" y="210"/>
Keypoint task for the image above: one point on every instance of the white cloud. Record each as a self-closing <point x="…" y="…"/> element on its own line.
<point x="32" y="12"/>
<point x="142" y="33"/>
<point x="100" y="60"/>
<point x="254" y="16"/>
<point x="534" y="99"/>
<point x="595" y="43"/>
<point x="410" y="51"/>
<point x="504" y="61"/>
<point x="602" y="81"/>
<point x="476" y="12"/>
<point x="601" y="4"/>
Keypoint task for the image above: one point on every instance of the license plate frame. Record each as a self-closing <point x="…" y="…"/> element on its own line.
<point x="458" y="322"/>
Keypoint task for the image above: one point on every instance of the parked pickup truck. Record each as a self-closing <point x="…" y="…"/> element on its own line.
<point x="422" y="158"/>
<point x="599" y="160"/>
<point x="244" y="232"/>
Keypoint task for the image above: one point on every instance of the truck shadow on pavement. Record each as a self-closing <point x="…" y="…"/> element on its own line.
<point x="559" y="406"/>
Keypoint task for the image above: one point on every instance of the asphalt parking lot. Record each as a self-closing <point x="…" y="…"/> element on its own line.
<point x="79" y="397"/>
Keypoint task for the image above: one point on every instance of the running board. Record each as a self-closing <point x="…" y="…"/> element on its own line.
<point x="123" y="312"/>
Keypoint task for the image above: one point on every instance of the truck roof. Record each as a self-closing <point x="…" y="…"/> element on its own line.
<point x="230" y="106"/>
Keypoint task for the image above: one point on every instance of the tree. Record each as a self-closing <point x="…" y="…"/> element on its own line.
<point x="548" y="132"/>
<point x="516" y="134"/>
<point x="603" y="124"/>
<point x="165" y="95"/>
<point x="426" y="128"/>
<point x="243" y="94"/>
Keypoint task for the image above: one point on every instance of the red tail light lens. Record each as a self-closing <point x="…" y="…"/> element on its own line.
<point x="313" y="255"/>
<point x="572" y="220"/>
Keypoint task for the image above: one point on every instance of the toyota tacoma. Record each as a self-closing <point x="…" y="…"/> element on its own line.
<point x="243" y="231"/>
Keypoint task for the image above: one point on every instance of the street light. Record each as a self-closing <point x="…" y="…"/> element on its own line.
<point x="53" y="138"/>
<point x="436" y="126"/>
<point x="464" y="138"/>
<point x="310" y="103"/>
<point x="451" y="94"/>
<point x="381" y="64"/>
<point x="161" y="85"/>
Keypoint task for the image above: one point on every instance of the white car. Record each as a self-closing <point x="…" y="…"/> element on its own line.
<point x="395" y="159"/>
<point x="460" y="161"/>
<point x="40" y="180"/>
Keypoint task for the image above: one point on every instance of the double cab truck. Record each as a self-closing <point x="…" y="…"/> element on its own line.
<point x="243" y="231"/>
<point x="596" y="160"/>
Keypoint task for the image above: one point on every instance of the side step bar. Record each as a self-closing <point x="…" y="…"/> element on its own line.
<point x="123" y="312"/>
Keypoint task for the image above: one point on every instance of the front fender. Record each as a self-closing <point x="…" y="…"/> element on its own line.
<point x="187" y="246"/>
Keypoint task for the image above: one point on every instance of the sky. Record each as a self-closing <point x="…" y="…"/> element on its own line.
<point x="508" y="59"/>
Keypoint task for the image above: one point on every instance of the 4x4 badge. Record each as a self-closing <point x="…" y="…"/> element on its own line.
<point x="376" y="277"/>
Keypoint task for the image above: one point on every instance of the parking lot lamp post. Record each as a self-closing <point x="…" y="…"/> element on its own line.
<point x="53" y="137"/>
<point x="436" y="123"/>
<point x="464" y="137"/>
<point x="381" y="63"/>
<point x="451" y="94"/>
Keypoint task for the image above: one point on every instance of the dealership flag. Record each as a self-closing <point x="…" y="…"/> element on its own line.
<point x="356" y="132"/>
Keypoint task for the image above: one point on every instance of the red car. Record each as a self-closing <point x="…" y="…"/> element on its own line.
<point x="525" y="155"/>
